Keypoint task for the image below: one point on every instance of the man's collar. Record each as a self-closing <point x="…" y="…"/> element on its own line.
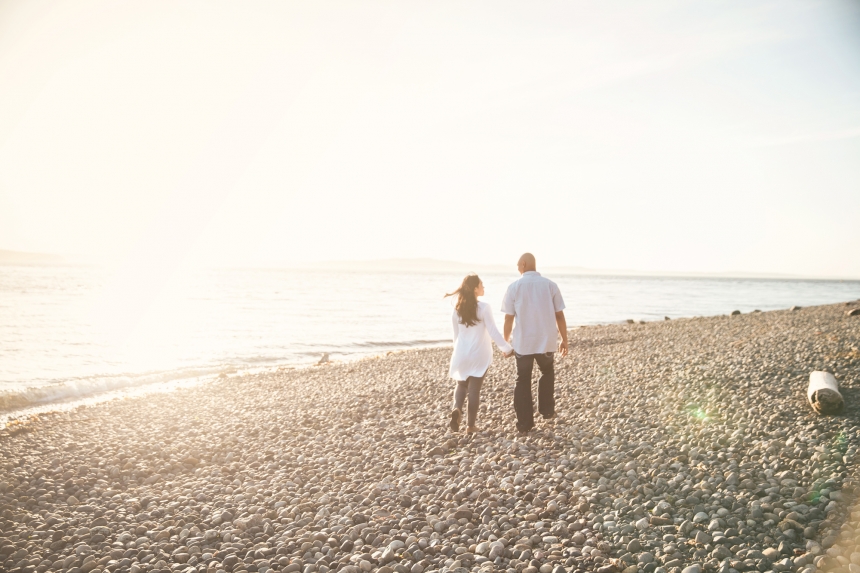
<point x="531" y="273"/>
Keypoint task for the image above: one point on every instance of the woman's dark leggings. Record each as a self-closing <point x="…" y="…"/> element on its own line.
<point x="473" y="385"/>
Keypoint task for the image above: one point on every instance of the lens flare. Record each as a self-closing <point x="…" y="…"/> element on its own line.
<point x="698" y="414"/>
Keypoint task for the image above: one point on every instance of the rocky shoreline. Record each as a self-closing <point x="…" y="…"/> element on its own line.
<point x="684" y="445"/>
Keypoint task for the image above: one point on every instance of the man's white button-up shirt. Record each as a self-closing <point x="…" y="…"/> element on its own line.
<point x="533" y="301"/>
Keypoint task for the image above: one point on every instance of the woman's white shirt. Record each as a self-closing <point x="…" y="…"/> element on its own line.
<point x="473" y="351"/>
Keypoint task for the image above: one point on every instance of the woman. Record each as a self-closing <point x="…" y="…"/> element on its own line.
<point x="473" y="352"/>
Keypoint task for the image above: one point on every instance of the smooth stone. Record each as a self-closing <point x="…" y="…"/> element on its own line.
<point x="646" y="557"/>
<point x="771" y="553"/>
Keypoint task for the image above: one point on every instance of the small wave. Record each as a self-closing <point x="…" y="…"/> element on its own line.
<point x="19" y="398"/>
<point x="314" y="349"/>
<point x="357" y="349"/>
<point x="400" y="343"/>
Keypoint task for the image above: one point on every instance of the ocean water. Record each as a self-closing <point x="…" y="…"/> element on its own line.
<point x="73" y="331"/>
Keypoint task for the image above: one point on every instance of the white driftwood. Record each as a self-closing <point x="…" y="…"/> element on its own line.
<point x="823" y="393"/>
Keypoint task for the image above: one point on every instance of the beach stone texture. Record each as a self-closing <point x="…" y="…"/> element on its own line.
<point x="682" y="446"/>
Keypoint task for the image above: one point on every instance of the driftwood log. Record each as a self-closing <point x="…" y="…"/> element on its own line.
<point x="823" y="393"/>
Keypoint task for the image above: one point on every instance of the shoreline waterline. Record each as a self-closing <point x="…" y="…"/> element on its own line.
<point x="50" y="397"/>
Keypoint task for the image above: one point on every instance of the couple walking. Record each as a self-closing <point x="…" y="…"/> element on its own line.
<point x="534" y="318"/>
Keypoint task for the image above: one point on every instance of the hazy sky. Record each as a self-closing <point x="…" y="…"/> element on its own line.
<point x="660" y="135"/>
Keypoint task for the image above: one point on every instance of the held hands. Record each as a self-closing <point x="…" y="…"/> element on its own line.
<point x="508" y="354"/>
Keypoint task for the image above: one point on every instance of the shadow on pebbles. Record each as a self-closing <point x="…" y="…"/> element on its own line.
<point x="683" y="445"/>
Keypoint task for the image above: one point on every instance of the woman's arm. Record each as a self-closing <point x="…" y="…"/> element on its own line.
<point x="490" y="325"/>
<point x="455" y="319"/>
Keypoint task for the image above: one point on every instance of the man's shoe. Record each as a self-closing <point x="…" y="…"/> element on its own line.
<point x="522" y="432"/>
<point x="549" y="417"/>
<point x="456" y="415"/>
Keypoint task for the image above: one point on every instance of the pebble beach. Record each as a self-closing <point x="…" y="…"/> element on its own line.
<point x="679" y="446"/>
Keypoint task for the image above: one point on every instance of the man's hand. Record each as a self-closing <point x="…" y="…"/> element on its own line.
<point x="508" y="354"/>
<point x="561" y="323"/>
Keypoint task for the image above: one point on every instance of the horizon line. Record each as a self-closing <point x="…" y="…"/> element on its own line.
<point x="422" y="264"/>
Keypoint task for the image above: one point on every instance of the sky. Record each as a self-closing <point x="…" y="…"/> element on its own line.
<point x="659" y="136"/>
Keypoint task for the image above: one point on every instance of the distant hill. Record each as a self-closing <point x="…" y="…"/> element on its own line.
<point x="22" y="258"/>
<point x="435" y="266"/>
<point x="670" y="274"/>
<point x="414" y="265"/>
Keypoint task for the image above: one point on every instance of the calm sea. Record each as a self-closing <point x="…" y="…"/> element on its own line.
<point x="67" y="331"/>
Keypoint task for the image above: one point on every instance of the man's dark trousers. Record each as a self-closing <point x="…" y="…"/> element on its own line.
<point x="523" y="404"/>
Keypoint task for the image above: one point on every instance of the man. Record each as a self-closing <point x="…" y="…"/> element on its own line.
<point x="535" y="303"/>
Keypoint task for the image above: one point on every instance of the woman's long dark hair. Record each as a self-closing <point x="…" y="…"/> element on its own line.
<point x="467" y="302"/>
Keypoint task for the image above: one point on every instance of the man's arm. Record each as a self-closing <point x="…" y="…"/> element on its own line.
<point x="509" y="326"/>
<point x="561" y="323"/>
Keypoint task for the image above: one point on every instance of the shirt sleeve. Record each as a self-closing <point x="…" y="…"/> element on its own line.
<point x="508" y="301"/>
<point x="557" y="301"/>
<point x="455" y="320"/>
<point x="490" y="324"/>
